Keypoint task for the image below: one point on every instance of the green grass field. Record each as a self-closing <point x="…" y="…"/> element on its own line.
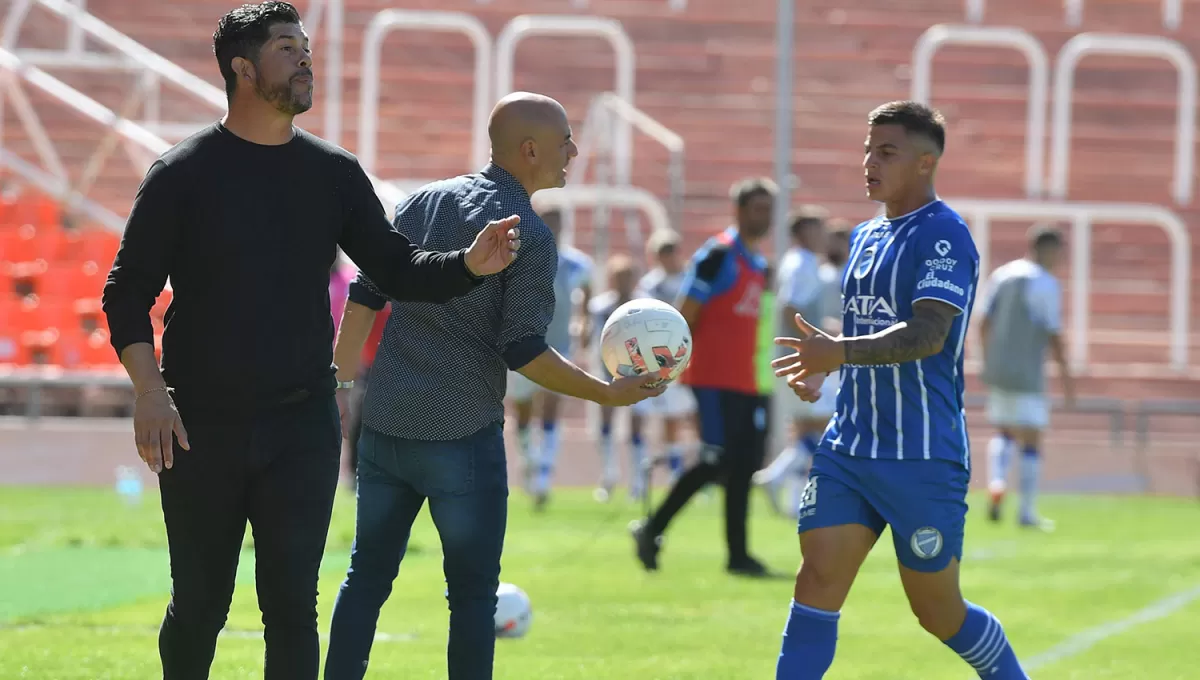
<point x="1114" y="593"/>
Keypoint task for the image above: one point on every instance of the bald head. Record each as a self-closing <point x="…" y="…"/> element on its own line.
<point x="531" y="138"/>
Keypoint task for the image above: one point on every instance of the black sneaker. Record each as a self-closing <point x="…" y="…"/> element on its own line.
<point x="646" y="546"/>
<point x="749" y="567"/>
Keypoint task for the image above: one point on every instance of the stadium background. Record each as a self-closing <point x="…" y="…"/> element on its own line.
<point x="672" y="101"/>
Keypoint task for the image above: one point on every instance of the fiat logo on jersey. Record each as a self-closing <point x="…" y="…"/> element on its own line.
<point x="866" y="260"/>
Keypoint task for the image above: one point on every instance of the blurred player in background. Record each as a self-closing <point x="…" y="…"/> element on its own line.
<point x="622" y="281"/>
<point x="897" y="452"/>
<point x="802" y="290"/>
<point x="1022" y="318"/>
<point x="572" y="285"/>
<point x="722" y="302"/>
<point x="676" y="405"/>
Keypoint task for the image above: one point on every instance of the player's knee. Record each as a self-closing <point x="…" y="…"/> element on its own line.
<point x="940" y="617"/>
<point x="935" y="599"/>
<point x="819" y="584"/>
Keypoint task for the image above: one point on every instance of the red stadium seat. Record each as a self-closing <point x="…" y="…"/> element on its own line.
<point x="20" y="244"/>
<point x="96" y="351"/>
<point x="100" y="247"/>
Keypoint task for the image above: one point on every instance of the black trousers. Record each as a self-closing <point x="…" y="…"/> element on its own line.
<point x="278" y="469"/>
<point x="733" y="435"/>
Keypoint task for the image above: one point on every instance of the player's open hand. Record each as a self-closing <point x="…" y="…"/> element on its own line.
<point x="817" y="354"/>
<point x="809" y="391"/>
<point x="630" y="390"/>
<point x="155" y="420"/>
<point x="495" y="247"/>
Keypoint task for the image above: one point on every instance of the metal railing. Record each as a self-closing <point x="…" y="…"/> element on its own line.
<point x="132" y="56"/>
<point x="610" y="30"/>
<point x="571" y="197"/>
<point x="390" y="20"/>
<point x="606" y="112"/>
<point x="333" y="12"/>
<point x="995" y="36"/>
<point x="1172" y="12"/>
<point x="1082" y="216"/>
<point x="1130" y="45"/>
<point x="55" y="181"/>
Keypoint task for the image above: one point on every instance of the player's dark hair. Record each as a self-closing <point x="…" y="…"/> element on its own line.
<point x="1044" y="236"/>
<point x="915" y="118"/>
<point x="242" y="33"/>
<point x="806" y="217"/>
<point x="743" y="191"/>
<point x="837" y="229"/>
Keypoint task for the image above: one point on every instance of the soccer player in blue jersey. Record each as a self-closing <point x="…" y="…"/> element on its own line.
<point x="896" y="452"/>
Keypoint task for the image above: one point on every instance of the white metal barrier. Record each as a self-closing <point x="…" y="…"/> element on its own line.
<point x="61" y="190"/>
<point x="593" y="196"/>
<point x="1130" y="45"/>
<point x="395" y="19"/>
<point x="606" y="112"/>
<point x="132" y="56"/>
<point x="1082" y="216"/>
<point x="56" y="181"/>
<point x="333" y="12"/>
<point x="995" y="36"/>
<point x="1172" y="12"/>
<point x="529" y="25"/>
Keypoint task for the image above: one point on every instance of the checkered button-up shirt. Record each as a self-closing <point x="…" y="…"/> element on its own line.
<point x="441" y="369"/>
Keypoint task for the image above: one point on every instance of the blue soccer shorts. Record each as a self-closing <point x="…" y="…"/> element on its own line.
<point x="923" y="501"/>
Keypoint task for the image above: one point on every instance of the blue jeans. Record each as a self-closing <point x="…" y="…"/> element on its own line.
<point x="466" y="482"/>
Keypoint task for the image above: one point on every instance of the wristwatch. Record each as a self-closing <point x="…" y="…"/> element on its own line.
<point x="345" y="384"/>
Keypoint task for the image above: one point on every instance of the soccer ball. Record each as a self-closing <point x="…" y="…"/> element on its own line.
<point x="646" y="335"/>
<point x="514" y="613"/>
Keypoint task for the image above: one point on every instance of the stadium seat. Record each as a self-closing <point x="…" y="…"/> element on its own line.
<point x="72" y="280"/>
<point x="20" y="244"/>
<point x="100" y="247"/>
<point x="96" y="352"/>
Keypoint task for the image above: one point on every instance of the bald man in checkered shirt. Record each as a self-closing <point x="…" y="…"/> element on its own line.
<point x="434" y="410"/>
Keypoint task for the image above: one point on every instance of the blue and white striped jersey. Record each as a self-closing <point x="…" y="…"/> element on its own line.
<point x="914" y="410"/>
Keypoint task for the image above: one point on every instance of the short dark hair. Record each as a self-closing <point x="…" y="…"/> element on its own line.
<point x="1044" y="236"/>
<point x="242" y="33"/>
<point x="743" y="191"/>
<point x="805" y="217"/>
<point x="915" y="118"/>
<point x="840" y="227"/>
<point x="550" y="215"/>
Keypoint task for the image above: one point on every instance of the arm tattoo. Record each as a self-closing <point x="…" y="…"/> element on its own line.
<point x="921" y="336"/>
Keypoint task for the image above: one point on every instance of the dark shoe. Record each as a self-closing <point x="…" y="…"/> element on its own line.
<point x="749" y="567"/>
<point x="994" y="511"/>
<point x="646" y="546"/>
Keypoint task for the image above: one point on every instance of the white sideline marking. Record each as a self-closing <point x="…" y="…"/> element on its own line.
<point x="1085" y="640"/>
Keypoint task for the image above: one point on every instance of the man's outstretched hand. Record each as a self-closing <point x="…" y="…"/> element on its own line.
<point x="817" y="354"/>
<point x="495" y="247"/>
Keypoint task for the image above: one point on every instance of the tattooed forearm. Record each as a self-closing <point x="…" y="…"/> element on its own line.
<point x="921" y="336"/>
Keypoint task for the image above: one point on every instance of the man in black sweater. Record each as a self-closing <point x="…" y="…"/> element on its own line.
<point x="245" y="218"/>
